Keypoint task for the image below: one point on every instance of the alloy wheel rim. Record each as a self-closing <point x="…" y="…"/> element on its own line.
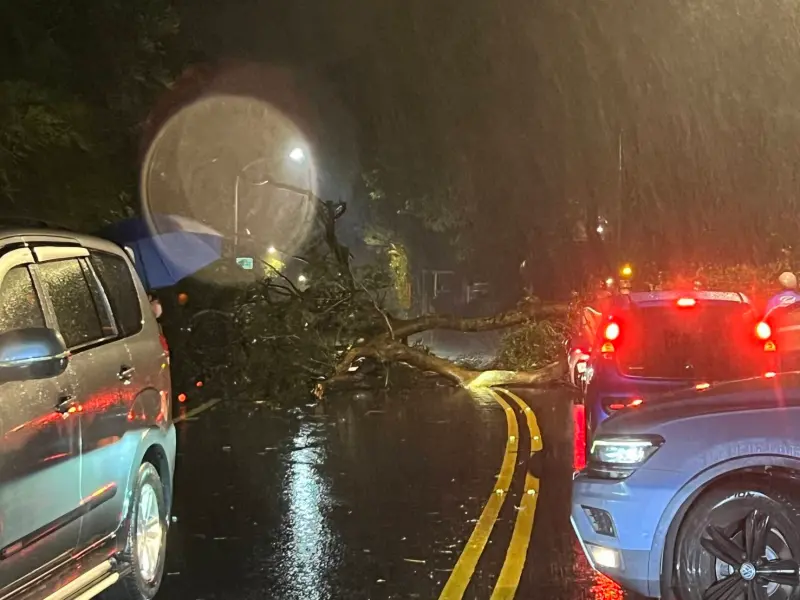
<point x="758" y="561"/>
<point x="149" y="533"/>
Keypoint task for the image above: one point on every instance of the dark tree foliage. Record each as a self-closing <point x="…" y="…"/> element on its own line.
<point x="76" y="80"/>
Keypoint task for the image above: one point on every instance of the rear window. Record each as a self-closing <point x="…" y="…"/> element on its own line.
<point x="713" y="340"/>
<point x="116" y="278"/>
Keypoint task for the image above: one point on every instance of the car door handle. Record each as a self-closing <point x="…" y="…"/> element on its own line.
<point x="126" y="373"/>
<point x="65" y="403"/>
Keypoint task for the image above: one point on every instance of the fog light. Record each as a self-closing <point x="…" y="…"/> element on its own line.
<point x="600" y="520"/>
<point x="604" y="557"/>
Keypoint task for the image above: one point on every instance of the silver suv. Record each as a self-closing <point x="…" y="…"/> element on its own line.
<point x="87" y="442"/>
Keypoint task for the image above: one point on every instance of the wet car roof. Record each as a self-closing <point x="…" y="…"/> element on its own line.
<point x="13" y="237"/>
<point x="673" y="295"/>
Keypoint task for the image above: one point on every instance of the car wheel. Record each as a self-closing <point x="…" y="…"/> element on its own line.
<point x="740" y="541"/>
<point x="146" y="544"/>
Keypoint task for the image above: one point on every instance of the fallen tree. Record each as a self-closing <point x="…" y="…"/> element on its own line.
<point x="274" y="337"/>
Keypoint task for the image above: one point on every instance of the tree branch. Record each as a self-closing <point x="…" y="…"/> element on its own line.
<point x="403" y="329"/>
<point x="388" y="351"/>
<point x="379" y="309"/>
<point x="294" y="289"/>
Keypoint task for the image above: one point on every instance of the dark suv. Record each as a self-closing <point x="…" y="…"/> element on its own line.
<point x="654" y="342"/>
<point x="87" y="442"/>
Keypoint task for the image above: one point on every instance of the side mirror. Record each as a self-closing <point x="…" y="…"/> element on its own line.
<point x="33" y="353"/>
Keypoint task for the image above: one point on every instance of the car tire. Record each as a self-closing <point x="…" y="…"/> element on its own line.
<point x="143" y="526"/>
<point x="717" y="526"/>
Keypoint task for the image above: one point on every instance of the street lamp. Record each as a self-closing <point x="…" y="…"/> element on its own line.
<point x="268" y="180"/>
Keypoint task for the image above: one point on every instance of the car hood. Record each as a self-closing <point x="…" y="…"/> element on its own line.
<point x="732" y="396"/>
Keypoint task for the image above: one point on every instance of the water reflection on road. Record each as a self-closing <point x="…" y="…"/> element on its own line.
<point x="365" y="497"/>
<point x="312" y="543"/>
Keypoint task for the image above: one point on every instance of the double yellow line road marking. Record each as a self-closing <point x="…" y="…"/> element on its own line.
<point x="465" y="567"/>
<point x="523" y="527"/>
<point x="514" y="563"/>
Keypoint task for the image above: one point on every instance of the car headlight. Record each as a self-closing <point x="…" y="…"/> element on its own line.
<point x="616" y="457"/>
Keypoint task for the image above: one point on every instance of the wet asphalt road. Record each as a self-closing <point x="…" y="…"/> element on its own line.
<point x="368" y="497"/>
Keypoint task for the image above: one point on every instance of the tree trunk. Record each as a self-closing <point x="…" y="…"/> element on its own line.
<point x="390" y="347"/>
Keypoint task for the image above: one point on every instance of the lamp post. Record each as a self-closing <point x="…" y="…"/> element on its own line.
<point x="297" y="155"/>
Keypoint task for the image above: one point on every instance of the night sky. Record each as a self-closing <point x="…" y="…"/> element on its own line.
<point x="527" y="105"/>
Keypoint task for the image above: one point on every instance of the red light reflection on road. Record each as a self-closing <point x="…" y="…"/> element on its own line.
<point x="599" y="586"/>
<point x="605" y="589"/>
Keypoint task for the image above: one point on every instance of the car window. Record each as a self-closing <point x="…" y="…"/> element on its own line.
<point x="73" y="302"/>
<point x="19" y="304"/>
<point x="116" y="278"/>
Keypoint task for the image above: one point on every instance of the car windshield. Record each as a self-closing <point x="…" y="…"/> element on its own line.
<point x="708" y="341"/>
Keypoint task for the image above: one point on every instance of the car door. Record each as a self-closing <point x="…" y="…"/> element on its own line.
<point x="40" y="502"/>
<point x="100" y="366"/>
<point x="111" y="433"/>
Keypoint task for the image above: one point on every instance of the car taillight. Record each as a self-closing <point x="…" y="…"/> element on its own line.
<point x="686" y="302"/>
<point x="611" y="332"/>
<point x="164" y="344"/>
<point x="763" y="331"/>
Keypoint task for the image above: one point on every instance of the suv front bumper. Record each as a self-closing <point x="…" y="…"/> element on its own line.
<point x="616" y="522"/>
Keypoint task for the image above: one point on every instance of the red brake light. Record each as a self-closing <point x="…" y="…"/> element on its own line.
<point x="686" y="302"/>
<point x="164" y="343"/>
<point x="611" y="332"/>
<point x="763" y="331"/>
<point x="769" y="374"/>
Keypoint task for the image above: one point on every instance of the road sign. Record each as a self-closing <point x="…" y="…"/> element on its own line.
<point x="246" y="262"/>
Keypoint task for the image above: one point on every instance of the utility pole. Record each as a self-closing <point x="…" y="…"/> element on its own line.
<point x="620" y="159"/>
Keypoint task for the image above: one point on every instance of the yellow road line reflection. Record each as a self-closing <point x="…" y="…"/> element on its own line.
<point x="465" y="567"/>
<point x="196" y="411"/>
